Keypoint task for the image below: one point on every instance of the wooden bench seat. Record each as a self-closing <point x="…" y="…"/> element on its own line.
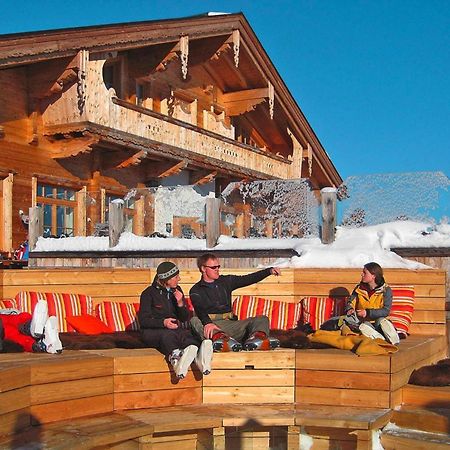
<point x="84" y="433"/>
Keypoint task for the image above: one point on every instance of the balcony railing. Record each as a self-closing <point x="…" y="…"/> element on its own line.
<point x="101" y="106"/>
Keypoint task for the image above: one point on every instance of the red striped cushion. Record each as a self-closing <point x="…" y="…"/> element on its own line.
<point x="118" y="316"/>
<point x="282" y="315"/>
<point x="59" y="305"/>
<point x="317" y="310"/>
<point x="402" y="307"/>
<point x="7" y="303"/>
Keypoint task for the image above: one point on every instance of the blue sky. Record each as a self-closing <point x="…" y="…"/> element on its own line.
<point x="372" y="77"/>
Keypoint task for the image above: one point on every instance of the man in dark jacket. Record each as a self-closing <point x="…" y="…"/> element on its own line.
<point x="211" y="298"/>
<point x="161" y="312"/>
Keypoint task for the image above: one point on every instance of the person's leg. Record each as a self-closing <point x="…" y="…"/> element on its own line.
<point x="12" y="324"/>
<point x="204" y="357"/>
<point x="258" y="337"/>
<point x="388" y="330"/>
<point x="368" y="330"/>
<point x="51" y="336"/>
<point x="39" y="319"/>
<point x="222" y="342"/>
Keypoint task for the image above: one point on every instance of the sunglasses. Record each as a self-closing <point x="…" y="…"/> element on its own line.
<point x="213" y="267"/>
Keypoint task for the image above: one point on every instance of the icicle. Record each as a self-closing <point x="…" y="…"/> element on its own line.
<point x="184" y="49"/>
<point x="236" y="44"/>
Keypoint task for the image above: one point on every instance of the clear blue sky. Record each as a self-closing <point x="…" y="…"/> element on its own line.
<point x="372" y="77"/>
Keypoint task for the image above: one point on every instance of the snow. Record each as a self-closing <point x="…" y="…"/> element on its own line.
<point x="353" y="247"/>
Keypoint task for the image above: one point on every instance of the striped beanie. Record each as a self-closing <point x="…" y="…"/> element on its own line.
<point x="166" y="270"/>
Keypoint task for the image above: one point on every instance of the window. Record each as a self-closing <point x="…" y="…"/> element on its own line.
<point x="59" y="205"/>
<point x="139" y="94"/>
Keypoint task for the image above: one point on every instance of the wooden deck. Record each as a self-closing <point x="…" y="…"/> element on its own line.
<point x="255" y="392"/>
<point x="249" y="400"/>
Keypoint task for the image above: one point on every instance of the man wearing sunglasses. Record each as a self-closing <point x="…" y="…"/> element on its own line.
<point x="211" y="298"/>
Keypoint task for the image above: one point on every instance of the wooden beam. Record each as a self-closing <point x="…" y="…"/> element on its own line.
<point x="165" y="169"/>
<point x="134" y="160"/>
<point x="73" y="146"/>
<point x="202" y="177"/>
<point x="247" y="94"/>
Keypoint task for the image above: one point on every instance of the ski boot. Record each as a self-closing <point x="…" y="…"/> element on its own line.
<point x="224" y="343"/>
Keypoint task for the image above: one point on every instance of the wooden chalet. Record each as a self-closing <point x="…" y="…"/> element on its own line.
<point x="86" y="114"/>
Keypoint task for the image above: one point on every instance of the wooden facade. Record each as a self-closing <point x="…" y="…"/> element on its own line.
<point x="88" y="114"/>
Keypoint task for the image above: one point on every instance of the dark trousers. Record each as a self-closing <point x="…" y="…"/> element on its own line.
<point x="165" y="340"/>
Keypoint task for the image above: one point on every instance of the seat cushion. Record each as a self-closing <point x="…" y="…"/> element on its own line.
<point x="8" y="303"/>
<point x="317" y="310"/>
<point x="87" y="324"/>
<point x="59" y="305"/>
<point x="282" y="315"/>
<point x="402" y="308"/>
<point x="118" y="316"/>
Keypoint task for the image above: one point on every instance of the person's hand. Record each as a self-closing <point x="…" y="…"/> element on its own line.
<point x="178" y="297"/>
<point x="171" y="323"/>
<point x="209" y="330"/>
<point x="350" y="312"/>
<point x="275" y="271"/>
<point x="361" y="313"/>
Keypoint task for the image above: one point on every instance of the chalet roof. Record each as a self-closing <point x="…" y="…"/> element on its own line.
<point x="33" y="47"/>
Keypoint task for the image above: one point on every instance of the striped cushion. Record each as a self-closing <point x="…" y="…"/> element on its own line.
<point x="59" y="305"/>
<point x="317" y="310"/>
<point x="402" y="307"/>
<point x="7" y="303"/>
<point x="118" y="316"/>
<point x="282" y="315"/>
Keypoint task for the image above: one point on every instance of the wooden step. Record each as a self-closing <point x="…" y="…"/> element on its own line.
<point x="435" y="420"/>
<point x="427" y="396"/>
<point x="406" y="439"/>
<point x="85" y="433"/>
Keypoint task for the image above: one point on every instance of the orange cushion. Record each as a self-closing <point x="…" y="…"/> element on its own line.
<point x="282" y="315"/>
<point x="118" y="316"/>
<point x="8" y="303"/>
<point x="402" y="307"/>
<point x="87" y="324"/>
<point x="317" y="310"/>
<point x="59" y="305"/>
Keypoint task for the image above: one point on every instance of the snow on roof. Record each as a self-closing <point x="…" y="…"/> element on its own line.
<point x="353" y="247"/>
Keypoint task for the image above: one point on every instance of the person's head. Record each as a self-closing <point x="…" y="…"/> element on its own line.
<point x="372" y="273"/>
<point x="168" y="274"/>
<point x="209" y="266"/>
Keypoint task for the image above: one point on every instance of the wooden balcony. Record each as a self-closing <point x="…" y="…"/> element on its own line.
<point x="88" y="106"/>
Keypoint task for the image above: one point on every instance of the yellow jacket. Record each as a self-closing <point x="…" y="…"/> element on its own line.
<point x="377" y="305"/>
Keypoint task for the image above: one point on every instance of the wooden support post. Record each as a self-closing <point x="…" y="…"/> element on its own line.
<point x="116" y="222"/>
<point x="7" y="240"/>
<point x="329" y="196"/>
<point x="35" y="226"/>
<point x="80" y="223"/>
<point x="138" y="220"/>
<point x="212" y="221"/>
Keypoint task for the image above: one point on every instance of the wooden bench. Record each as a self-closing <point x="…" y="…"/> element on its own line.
<point x="37" y="388"/>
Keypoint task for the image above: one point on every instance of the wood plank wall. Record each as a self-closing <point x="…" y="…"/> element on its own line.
<point x="294" y="284"/>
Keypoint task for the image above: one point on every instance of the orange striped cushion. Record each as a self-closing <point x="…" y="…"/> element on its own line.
<point x="402" y="307"/>
<point x="7" y="303"/>
<point x="59" y="305"/>
<point x="282" y="315"/>
<point x="118" y="316"/>
<point x="317" y="310"/>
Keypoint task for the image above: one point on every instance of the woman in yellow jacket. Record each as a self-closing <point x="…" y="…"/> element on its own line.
<point x="370" y="304"/>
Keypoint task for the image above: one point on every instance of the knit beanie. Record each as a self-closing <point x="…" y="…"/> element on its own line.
<point x="167" y="270"/>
